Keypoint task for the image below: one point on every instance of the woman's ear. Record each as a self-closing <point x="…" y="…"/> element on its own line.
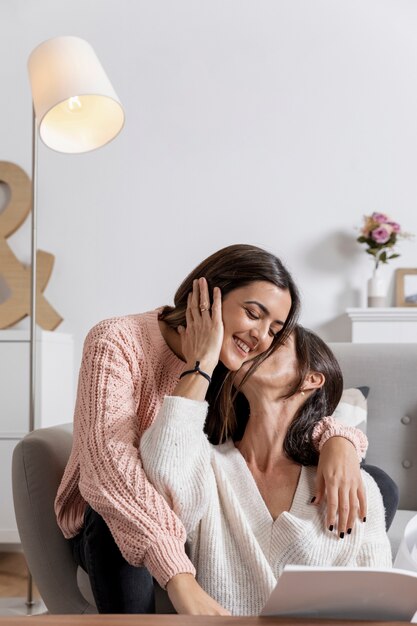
<point x="313" y="380"/>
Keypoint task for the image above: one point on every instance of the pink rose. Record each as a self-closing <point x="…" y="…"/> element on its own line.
<point x="380" y="218"/>
<point x="395" y="227"/>
<point x="381" y="234"/>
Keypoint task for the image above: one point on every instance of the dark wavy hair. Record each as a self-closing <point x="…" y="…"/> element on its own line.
<point x="313" y="355"/>
<point x="230" y="268"/>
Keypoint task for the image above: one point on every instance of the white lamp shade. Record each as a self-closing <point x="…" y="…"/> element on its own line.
<point x="76" y="107"/>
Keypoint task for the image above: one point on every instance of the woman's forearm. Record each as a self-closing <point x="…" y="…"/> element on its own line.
<point x="176" y="457"/>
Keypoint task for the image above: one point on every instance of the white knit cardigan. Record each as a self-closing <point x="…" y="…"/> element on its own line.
<point x="236" y="547"/>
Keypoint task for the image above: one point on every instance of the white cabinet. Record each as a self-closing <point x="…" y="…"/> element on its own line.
<point x="54" y="401"/>
<point x="383" y="325"/>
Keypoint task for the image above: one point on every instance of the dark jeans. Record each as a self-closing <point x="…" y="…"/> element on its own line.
<point x="121" y="588"/>
<point x="117" y="586"/>
<point x="388" y="489"/>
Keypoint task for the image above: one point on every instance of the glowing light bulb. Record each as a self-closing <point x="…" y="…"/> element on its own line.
<point x="74" y="104"/>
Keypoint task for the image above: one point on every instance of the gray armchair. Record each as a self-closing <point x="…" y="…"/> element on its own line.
<point x="38" y="464"/>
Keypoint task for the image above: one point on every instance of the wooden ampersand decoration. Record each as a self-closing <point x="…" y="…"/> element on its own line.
<point x="15" y="274"/>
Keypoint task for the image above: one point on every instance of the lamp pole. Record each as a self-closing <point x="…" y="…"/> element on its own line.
<point x="32" y="394"/>
<point x="33" y="287"/>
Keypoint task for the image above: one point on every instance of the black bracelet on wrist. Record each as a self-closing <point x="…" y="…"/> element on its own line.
<point x="197" y="370"/>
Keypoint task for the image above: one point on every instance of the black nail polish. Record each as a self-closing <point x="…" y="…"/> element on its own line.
<point x="331" y="527"/>
<point x="349" y="530"/>
<point x="313" y="499"/>
<point x="364" y="519"/>
<point x="341" y="535"/>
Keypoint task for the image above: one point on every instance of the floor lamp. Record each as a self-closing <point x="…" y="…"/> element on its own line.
<point x="75" y="110"/>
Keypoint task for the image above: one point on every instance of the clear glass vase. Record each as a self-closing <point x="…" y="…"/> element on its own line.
<point x="377" y="289"/>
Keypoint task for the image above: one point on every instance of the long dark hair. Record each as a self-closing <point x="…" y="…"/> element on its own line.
<point x="313" y="355"/>
<point x="233" y="267"/>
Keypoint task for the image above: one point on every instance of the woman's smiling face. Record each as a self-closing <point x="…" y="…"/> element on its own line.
<point x="252" y="316"/>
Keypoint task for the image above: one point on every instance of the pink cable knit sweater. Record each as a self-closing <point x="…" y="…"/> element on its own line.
<point x="126" y="370"/>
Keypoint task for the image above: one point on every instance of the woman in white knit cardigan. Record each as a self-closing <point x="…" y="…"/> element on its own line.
<point x="247" y="503"/>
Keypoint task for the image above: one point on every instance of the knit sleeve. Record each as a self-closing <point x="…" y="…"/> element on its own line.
<point x="375" y="550"/>
<point x="176" y="457"/>
<point x="112" y="479"/>
<point x="329" y="427"/>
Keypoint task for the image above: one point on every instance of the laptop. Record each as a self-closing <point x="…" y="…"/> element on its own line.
<point x="359" y="593"/>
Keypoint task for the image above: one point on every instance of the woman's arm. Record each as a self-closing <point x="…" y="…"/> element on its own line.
<point x="201" y="341"/>
<point x="338" y="473"/>
<point x="176" y="457"/>
<point x="175" y="451"/>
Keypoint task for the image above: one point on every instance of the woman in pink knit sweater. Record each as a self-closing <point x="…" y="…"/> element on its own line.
<point x="122" y="531"/>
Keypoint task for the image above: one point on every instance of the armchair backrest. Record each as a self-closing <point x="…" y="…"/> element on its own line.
<point x="390" y="371"/>
<point x="38" y="464"/>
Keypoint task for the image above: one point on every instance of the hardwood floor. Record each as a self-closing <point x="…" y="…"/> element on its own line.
<point x="13" y="576"/>
<point x="13" y="587"/>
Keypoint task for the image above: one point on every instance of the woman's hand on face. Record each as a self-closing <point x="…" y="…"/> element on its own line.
<point x="189" y="598"/>
<point x="202" y="339"/>
<point x="339" y="479"/>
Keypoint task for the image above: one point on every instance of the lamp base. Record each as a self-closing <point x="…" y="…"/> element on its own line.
<point x="18" y="606"/>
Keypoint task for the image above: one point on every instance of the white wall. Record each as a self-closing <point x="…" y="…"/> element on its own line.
<point x="274" y="122"/>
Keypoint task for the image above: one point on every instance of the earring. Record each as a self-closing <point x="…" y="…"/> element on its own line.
<point x="303" y="393"/>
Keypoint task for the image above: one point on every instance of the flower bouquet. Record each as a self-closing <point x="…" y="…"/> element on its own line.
<point x="380" y="233"/>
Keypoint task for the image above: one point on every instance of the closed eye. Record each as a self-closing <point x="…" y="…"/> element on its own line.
<point x="251" y="314"/>
<point x="255" y="316"/>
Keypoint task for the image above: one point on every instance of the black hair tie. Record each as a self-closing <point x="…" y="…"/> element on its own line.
<point x="197" y="370"/>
